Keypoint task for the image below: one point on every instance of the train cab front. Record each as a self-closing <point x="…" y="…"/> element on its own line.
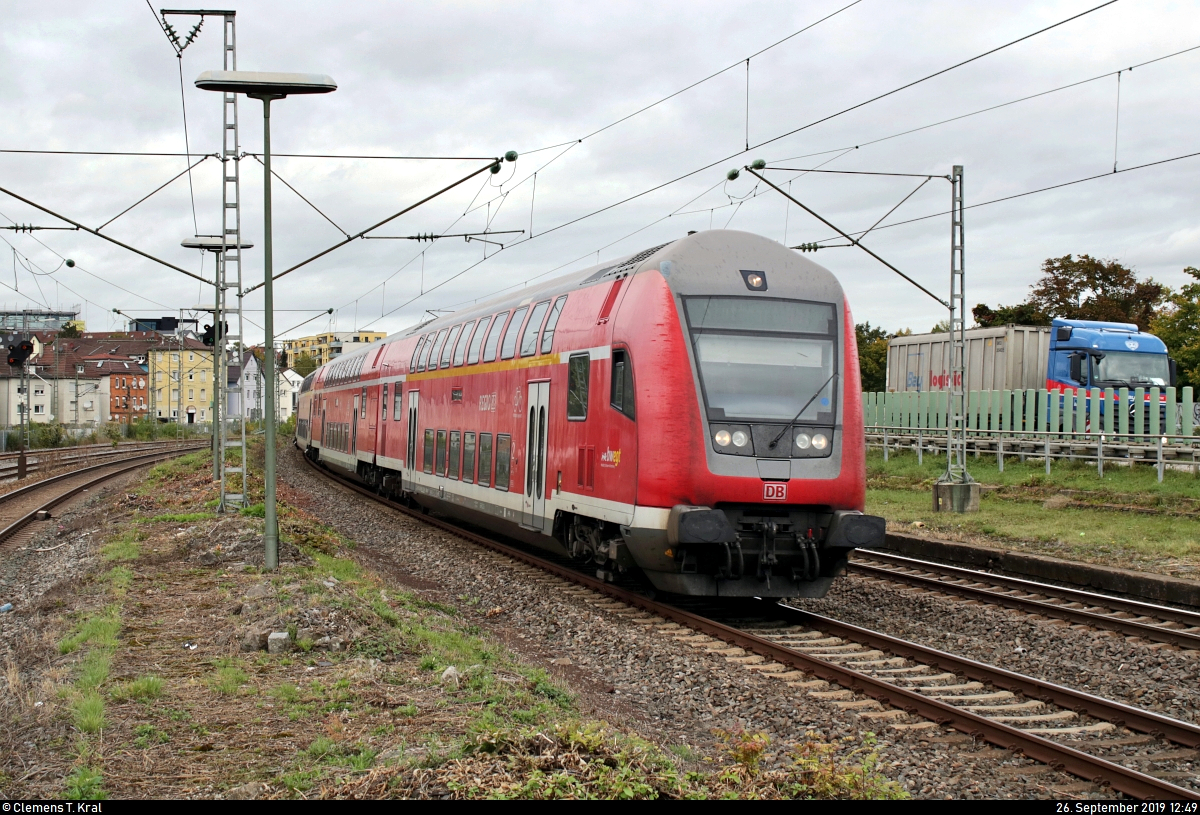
<point x="776" y="485"/>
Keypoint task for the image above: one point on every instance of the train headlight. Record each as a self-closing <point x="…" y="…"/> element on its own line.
<point x="820" y="441"/>
<point x="722" y="438"/>
<point x="802" y="441"/>
<point x="740" y="439"/>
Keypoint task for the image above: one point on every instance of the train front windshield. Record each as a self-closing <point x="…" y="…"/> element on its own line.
<point x="764" y="359"/>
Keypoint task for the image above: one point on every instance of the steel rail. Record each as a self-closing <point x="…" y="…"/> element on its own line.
<point x="1092" y="768"/>
<point x="1120" y="714"/>
<point x="1177" y="615"/>
<point x="132" y="463"/>
<point x="1183" y="639"/>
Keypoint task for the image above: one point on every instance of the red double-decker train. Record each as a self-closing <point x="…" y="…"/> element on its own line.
<point x="692" y="412"/>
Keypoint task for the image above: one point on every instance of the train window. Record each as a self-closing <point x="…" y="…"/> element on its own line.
<point x="503" y="449"/>
<point x="551" y="322"/>
<point x="383" y="402"/>
<point x="508" y="348"/>
<point x="363" y="403"/>
<point x="493" y="338"/>
<point x="529" y="340"/>
<point x="427" y="459"/>
<point x="622" y="382"/>
<point x="397" y="403"/>
<point x="437" y="349"/>
<point x="468" y="471"/>
<point x="412" y="363"/>
<point x="460" y="350"/>
<point x="425" y="353"/>
<point x="440" y="454"/>
<point x="448" y="351"/>
<point x="455" y="452"/>
<point x="477" y="341"/>
<point x="485" y="459"/>
<point x="579" y="369"/>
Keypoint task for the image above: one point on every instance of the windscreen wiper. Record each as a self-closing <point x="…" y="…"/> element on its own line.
<point x="792" y="423"/>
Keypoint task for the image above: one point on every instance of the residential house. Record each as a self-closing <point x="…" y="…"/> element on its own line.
<point x="254" y="388"/>
<point x="326" y="347"/>
<point x="181" y="381"/>
<point x="127" y="386"/>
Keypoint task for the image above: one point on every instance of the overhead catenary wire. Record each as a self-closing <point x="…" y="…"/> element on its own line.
<point x="350" y="238"/>
<point x="991" y="107"/>
<point x="814" y="123"/>
<point x="1105" y="174"/>
<point x="301" y="196"/>
<point x="186" y="141"/>
<point x="699" y="82"/>
<point x="187" y="172"/>
<point x="64" y="218"/>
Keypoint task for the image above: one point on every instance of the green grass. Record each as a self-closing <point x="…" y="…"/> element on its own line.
<point x="124" y="547"/>
<point x="255" y="511"/>
<point x="119" y="577"/>
<point x="142" y="689"/>
<point x="178" y="518"/>
<point x="87" y="711"/>
<point x="1140" y="479"/>
<point x="94" y="668"/>
<point x="147" y="735"/>
<point x="83" y="784"/>
<point x="100" y="631"/>
<point x="229" y="680"/>
<point x="1016" y="513"/>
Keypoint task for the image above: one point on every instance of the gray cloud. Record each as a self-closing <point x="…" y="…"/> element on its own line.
<point x="479" y="79"/>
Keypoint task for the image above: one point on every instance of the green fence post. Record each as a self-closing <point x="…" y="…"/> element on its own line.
<point x="1122" y="412"/>
<point x="1139" y="412"/>
<point x="1154" y="407"/>
<point x="1172" y="428"/>
<point x="1188" y="416"/>
<point x="1110" y="409"/>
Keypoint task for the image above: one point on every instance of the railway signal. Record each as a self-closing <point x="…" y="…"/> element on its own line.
<point x="20" y="349"/>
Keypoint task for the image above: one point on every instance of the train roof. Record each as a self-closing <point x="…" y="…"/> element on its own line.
<point x="629" y="264"/>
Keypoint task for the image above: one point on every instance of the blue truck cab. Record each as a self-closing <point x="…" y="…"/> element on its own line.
<point x="1094" y="354"/>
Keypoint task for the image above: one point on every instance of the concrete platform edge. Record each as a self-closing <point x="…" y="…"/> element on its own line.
<point x="1141" y="585"/>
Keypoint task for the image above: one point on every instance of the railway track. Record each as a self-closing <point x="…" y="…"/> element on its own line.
<point x="40" y="460"/>
<point x="21" y="507"/>
<point x="905" y="681"/>
<point x="1174" y="626"/>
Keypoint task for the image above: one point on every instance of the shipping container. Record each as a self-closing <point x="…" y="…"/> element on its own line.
<point x="1011" y="357"/>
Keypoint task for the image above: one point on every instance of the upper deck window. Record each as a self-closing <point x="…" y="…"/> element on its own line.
<point x="460" y="350"/>
<point x="551" y="322"/>
<point x="493" y="338"/>
<point x="448" y="351"/>
<point x="477" y="340"/>
<point x="509" y="348"/>
<point x="529" y="340"/>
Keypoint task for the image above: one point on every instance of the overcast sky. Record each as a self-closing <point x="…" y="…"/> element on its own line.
<point x="478" y="79"/>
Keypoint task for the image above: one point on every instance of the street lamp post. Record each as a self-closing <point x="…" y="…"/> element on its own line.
<point x="267" y="86"/>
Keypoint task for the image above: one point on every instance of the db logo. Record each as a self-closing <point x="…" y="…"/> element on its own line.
<point x="774" y="491"/>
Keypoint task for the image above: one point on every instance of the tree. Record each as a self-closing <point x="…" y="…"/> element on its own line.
<point x="1020" y="314"/>
<point x="872" y="356"/>
<point x="303" y="364"/>
<point x="1090" y="289"/>
<point x="69" y="331"/>
<point x="1178" y="325"/>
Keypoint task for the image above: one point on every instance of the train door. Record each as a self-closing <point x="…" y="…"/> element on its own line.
<point x="354" y="425"/>
<point x="534" y="504"/>
<point x="414" y="399"/>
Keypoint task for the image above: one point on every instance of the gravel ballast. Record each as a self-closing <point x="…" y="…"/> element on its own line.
<point x="630" y="669"/>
